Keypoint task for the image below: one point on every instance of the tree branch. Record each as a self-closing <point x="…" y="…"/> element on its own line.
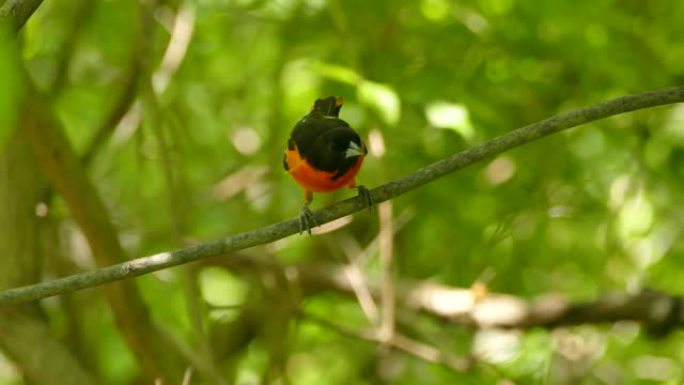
<point x="659" y="312"/>
<point x="475" y="307"/>
<point x="402" y="343"/>
<point x="18" y="12"/>
<point x="385" y="192"/>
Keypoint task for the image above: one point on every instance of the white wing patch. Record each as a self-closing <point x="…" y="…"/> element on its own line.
<point x="353" y="150"/>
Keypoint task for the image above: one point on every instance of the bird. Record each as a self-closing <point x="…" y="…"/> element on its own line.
<point x="324" y="154"/>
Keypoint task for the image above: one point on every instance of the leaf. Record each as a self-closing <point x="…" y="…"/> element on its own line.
<point x="336" y="72"/>
<point x="379" y="97"/>
<point x="221" y="288"/>
<point x="451" y="116"/>
<point x="636" y="217"/>
<point x="382" y="99"/>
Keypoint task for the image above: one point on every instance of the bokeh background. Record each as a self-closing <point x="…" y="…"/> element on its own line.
<point x="180" y="111"/>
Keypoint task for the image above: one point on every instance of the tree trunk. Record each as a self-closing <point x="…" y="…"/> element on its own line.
<point x="25" y="335"/>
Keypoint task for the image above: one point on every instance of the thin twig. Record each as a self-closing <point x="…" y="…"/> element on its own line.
<point x="119" y="109"/>
<point x="83" y="10"/>
<point x="659" y="312"/>
<point x="356" y="256"/>
<point x="390" y="190"/>
<point x="181" y="36"/>
<point x="357" y="280"/>
<point x="402" y="343"/>
<point x="387" y="296"/>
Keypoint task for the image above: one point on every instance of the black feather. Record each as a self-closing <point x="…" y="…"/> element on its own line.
<point x="323" y="139"/>
<point x="328" y="106"/>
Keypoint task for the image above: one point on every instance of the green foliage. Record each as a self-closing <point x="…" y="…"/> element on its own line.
<point x="595" y="209"/>
<point x="11" y="79"/>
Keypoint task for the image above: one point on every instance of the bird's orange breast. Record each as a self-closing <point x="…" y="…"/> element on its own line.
<point x="316" y="180"/>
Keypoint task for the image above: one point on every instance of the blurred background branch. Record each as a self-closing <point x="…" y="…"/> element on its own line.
<point x="476" y="306"/>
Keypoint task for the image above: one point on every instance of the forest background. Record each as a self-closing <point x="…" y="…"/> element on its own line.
<point x="131" y="128"/>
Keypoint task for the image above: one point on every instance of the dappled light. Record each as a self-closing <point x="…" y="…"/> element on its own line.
<point x="500" y="170"/>
<point x="452" y="116"/>
<point x="246" y="140"/>
<point x="501" y="201"/>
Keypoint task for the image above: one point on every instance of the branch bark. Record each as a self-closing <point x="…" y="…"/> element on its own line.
<point x="385" y="192"/>
<point x="17" y="12"/>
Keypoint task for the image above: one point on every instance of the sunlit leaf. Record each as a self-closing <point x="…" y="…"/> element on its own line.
<point x="336" y="72"/>
<point x="300" y="84"/>
<point x="451" y="116"/>
<point x="435" y="9"/>
<point x="675" y="125"/>
<point x="636" y="216"/>
<point x="220" y="288"/>
<point x="382" y="98"/>
<point x="379" y="97"/>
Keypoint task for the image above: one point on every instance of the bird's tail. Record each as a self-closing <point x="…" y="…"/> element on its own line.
<point x="329" y="106"/>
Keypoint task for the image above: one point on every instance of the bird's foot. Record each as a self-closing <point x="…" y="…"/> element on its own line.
<point x="307" y="220"/>
<point x="366" y="197"/>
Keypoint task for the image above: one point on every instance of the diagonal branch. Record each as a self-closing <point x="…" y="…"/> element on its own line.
<point x="475" y="307"/>
<point x="385" y="192"/>
<point x="17" y="12"/>
<point x="402" y="343"/>
<point x="659" y="312"/>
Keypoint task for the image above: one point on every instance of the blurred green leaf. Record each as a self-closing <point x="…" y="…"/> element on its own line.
<point x="636" y="217"/>
<point x="451" y="116"/>
<point x="220" y="288"/>
<point x="336" y="72"/>
<point x="381" y="98"/>
<point x="435" y="9"/>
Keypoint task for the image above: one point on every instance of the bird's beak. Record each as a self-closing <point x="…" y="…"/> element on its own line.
<point x="353" y="150"/>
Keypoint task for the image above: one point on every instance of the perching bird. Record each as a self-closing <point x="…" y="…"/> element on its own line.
<point x="324" y="154"/>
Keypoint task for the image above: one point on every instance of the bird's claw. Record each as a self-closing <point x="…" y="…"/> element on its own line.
<point x="307" y="220"/>
<point x="366" y="197"/>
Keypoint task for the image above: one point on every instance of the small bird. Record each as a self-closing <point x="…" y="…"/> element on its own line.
<point x="324" y="154"/>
